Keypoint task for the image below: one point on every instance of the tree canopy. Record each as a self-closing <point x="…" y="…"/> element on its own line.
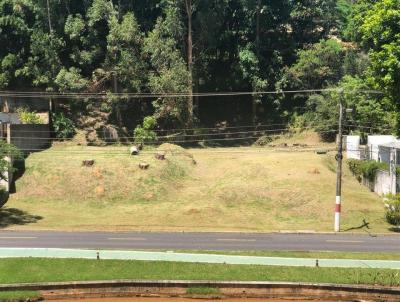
<point x="185" y="46"/>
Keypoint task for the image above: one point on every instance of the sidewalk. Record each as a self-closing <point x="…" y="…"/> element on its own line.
<point x="194" y="258"/>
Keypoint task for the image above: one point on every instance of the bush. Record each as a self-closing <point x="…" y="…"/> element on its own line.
<point x="355" y="168"/>
<point x="366" y="168"/>
<point x="393" y="210"/>
<point x="29" y="117"/>
<point x="63" y="126"/>
<point x="7" y="150"/>
<point x="145" y="133"/>
<point x="3" y="195"/>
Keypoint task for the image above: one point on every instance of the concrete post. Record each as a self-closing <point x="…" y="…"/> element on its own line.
<point x="339" y="158"/>
<point x="392" y="171"/>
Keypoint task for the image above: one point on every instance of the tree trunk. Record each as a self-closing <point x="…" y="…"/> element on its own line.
<point x="117" y="106"/>
<point x="258" y="28"/>
<point x="190" y="62"/>
<point x="254" y="98"/>
<point x="48" y="17"/>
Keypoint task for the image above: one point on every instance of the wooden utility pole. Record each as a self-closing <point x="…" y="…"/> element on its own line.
<point x="339" y="158"/>
<point x="188" y="4"/>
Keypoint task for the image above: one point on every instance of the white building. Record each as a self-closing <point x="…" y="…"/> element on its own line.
<point x="374" y="141"/>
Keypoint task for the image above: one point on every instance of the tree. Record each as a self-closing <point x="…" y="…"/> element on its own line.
<point x="312" y="20"/>
<point x="372" y="113"/>
<point x="317" y="66"/>
<point x="17" y="20"/>
<point x="123" y="58"/>
<point x="168" y="71"/>
<point x="250" y="66"/>
<point x="378" y="31"/>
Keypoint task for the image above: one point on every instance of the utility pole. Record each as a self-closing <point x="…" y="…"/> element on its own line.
<point x="188" y="4"/>
<point x="339" y="158"/>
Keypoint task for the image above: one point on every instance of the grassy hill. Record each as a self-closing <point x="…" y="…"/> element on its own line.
<point x="224" y="189"/>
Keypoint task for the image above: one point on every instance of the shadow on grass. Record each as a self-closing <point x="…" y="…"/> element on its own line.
<point x="364" y="225"/>
<point x="19" y="166"/>
<point x="11" y="216"/>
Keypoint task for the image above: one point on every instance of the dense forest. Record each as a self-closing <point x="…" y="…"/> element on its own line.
<point x="190" y="47"/>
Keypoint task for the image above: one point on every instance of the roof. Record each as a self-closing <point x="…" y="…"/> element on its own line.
<point x="395" y="145"/>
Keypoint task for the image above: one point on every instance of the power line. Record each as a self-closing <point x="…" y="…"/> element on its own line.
<point x="254" y="132"/>
<point x="249" y="150"/>
<point x="157" y="142"/>
<point x="220" y="128"/>
<point x="102" y="95"/>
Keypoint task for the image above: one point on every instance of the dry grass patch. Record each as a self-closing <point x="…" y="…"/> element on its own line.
<point x="235" y="189"/>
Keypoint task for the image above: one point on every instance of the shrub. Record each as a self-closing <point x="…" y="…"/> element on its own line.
<point x="355" y="168"/>
<point x="29" y="117"/>
<point x="63" y="126"/>
<point x="393" y="210"/>
<point x="145" y="133"/>
<point x="366" y="168"/>
<point x="370" y="167"/>
<point x="7" y="150"/>
<point x="3" y="195"/>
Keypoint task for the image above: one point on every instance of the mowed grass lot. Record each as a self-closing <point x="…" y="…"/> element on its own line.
<point x="53" y="270"/>
<point x="227" y="189"/>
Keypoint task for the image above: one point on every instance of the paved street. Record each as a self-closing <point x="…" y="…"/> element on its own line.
<point x="201" y="241"/>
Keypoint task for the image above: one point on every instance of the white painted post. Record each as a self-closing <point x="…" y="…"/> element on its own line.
<point x="392" y="171"/>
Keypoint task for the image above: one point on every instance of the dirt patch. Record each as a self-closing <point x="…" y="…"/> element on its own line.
<point x="175" y="299"/>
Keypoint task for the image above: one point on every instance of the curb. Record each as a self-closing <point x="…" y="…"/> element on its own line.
<point x="228" y="288"/>
<point x="194" y="283"/>
<point x="253" y="232"/>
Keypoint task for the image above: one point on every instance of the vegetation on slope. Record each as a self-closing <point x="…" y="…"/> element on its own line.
<point x="242" y="189"/>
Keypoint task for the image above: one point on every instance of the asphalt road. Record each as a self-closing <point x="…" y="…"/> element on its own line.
<point x="200" y="241"/>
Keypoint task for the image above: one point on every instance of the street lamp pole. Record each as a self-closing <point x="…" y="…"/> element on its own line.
<point x="339" y="158"/>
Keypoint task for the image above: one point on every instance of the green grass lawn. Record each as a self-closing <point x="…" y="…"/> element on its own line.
<point x="46" y="270"/>
<point x="6" y="296"/>
<point x="228" y="189"/>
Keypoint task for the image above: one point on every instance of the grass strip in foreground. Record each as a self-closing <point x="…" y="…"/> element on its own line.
<point x="18" y="270"/>
<point x="6" y="296"/>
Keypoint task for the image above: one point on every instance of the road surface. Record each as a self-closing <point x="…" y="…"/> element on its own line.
<point x="201" y="241"/>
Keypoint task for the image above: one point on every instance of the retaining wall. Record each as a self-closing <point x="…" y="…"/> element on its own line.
<point x="382" y="184"/>
<point x="131" y="288"/>
<point x="29" y="138"/>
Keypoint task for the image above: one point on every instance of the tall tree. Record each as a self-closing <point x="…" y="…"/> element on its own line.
<point x="379" y="34"/>
<point x="168" y="70"/>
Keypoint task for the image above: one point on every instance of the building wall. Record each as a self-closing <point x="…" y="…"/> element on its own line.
<point x="384" y="154"/>
<point x="9" y="118"/>
<point x="11" y="104"/>
<point x="29" y="138"/>
<point x="374" y="141"/>
<point x="353" y="146"/>
<point x="383" y="183"/>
